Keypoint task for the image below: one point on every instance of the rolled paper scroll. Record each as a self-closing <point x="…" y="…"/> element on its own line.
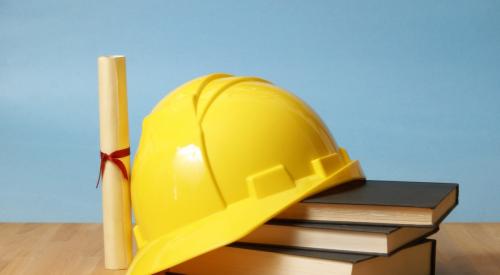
<point x="115" y="162"/>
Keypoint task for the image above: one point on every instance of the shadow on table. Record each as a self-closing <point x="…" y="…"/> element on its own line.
<point x="470" y="264"/>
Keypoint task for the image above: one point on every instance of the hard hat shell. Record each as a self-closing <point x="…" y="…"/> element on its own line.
<point x="220" y="156"/>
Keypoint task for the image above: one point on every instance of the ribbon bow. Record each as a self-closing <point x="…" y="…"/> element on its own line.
<point x="114" y="158"/>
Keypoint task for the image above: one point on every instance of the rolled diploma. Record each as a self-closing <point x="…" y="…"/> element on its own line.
<point x="114" y="135"/>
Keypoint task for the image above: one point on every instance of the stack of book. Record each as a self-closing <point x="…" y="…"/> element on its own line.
<point x="362" y="227"/>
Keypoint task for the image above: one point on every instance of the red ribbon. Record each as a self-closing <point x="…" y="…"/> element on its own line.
<point x="114" y="158"/>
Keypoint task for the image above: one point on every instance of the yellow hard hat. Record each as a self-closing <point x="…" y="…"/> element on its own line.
<point x="220" y="156"/>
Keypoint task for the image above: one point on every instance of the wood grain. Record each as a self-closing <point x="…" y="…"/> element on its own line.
<point x="463" y="248"/>
<point x="468" y="248"/>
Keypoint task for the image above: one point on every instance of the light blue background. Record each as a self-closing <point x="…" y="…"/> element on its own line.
<point x="411" y="88"/>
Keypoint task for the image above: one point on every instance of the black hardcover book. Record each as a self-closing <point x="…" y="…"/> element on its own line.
<point x="248" y="259"/>
<point x="378" y="202"/>
<point x="362" y="239"/>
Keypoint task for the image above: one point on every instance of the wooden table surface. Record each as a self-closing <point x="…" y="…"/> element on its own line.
<point x="462" y="248"/>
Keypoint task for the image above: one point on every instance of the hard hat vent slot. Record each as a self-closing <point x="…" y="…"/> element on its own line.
<point x="270" y="181"/>
<point x="327" y="165"/>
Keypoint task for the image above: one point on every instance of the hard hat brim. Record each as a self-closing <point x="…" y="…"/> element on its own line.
<point x="236" y="221"/>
